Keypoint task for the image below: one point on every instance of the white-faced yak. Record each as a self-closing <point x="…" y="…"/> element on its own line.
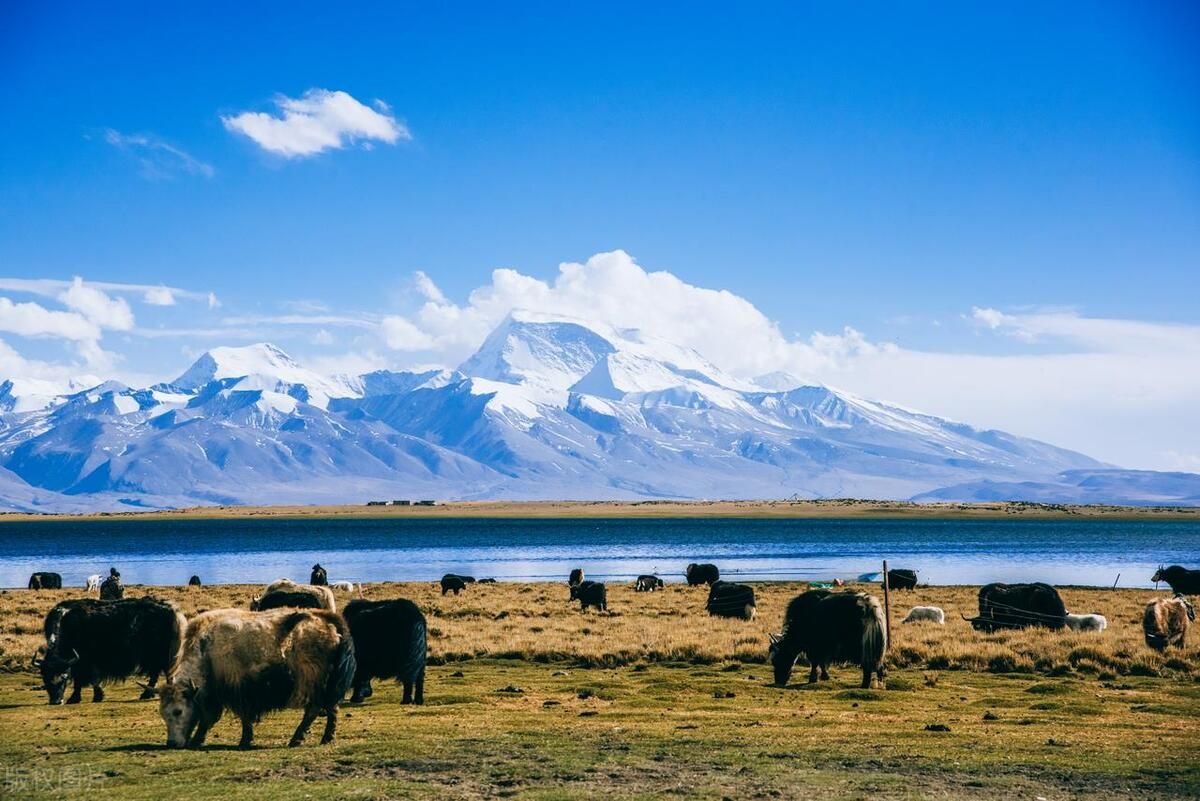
<point x="830" y="627"/>
<point x="252" y="663"/>
<point x="1018" y="606"/>
<point x="726" y="599"/>
<point x="1166" y="622"/>
<point x="576" y="577"/>
<point x="1181" y="580"/>
<point x="590" y="593"/>
<point x="389" y="642"/>
<point x="97" y="642"/>
<point x="701" y="574"/>
<point x="287" y="593"/>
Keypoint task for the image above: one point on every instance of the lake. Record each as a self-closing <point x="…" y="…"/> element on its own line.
<point x="1090" y="552"/>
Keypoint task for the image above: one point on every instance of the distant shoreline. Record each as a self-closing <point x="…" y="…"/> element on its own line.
<point x="834" y="508"/>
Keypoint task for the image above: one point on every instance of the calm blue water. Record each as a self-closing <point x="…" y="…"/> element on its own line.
<point x="255" y="551"/>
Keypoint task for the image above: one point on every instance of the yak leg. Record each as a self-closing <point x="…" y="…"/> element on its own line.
<point x="247" y="733"/>
<point x="310" y="714"/>
<point x="97" y="693"/>
<point x="76" y="693"/>
<point x="866" y="682"/>
<point x="331" y="716"/>
<point x="824" y="671"/>
<point x="419" y="690"/>
<point x="812" y="674"/>
<point x="408" y="693"/>
<point x="206" y="722"/>
<point x="148" y="691"/>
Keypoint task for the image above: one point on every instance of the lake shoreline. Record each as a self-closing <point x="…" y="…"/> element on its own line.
<point x="809" y="509"/>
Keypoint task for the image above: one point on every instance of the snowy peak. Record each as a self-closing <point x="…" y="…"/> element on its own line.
<point x="548" y="353"/>
<point x="267" y="368"/>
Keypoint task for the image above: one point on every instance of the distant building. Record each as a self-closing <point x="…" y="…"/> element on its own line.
<point x="425" y="503"/>
<point x="401" y="503"/>
<point x="376" y="503"/>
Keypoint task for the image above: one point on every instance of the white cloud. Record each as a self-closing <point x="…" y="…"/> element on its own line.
<point x="158" y="159"/>
<point x="101" y="309"/>
<point x="152" y="294"/>
<point x="320" y="120"/>
<point x="323" y="337"/>
<point x="159" y="296"/>
<point x="34" y="320"/>
<point x="400" y="334"/>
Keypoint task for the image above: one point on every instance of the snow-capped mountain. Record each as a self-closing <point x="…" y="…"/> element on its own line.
<point x="547" y="407"/>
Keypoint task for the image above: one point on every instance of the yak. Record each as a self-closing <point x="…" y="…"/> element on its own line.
<point x="901" y="579"/>
<point x="701" y="574"/>
<point x="830" y="627"/>
<point x="1181" y="580"/>
<point x="53" y="621"/>
<point x="487" y="581"/>
<point x="389" y="642"/>
<point x="318" y="577"/>
<point x="1166" y="622"/>
<point x="726" y="599"/>
<point x="1018" y="606"/>
<point x="194" y="581"/>
<point x="285" y="592"/>
<point x="93" y="583"/>
<point x="576" y="577"/>
<point x="111" y="589"/>
<point x="44" y="580"/>
<point x="647" y="583"/>
<point x="590" y="593"/>
<point x="254" y="663"/>
<point x="933" y="614"/>
<point x="453" y="583"/>
<point x="96" y="642"/>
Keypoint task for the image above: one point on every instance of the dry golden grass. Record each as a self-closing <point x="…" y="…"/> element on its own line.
<point x="535" y="622"/>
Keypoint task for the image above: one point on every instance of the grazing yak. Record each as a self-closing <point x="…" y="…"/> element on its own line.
<point x="111" y="589"/>
<point x="487" y="581"/>
<point x="701" y="574"/>
<point x="726" y="599"/>
<point x="931" y="614"/>
<point x="590" y="593"/>
<point x="1018" y="606"/>
<point x="453" y="583"/>
<point x="1181" y="580"/>
<point x="1092" y="622"/>
<point x="96" y="642"/>
<point x="93" y="583"/>
<point x="901" y="579"/>
<point x="53" y="621"/>
<point x="194" y="581"/>
<point x="318" y="578"/>
<point x="43" y="580"/>
<point x="287" y="593"/>
<point x="576" y="577"/>
<point x="254" y="663"/>
<point x="830" y="627"/>
<point x="389" y="642"/>
<point x="648" y="584"/>
<point x="1166" y="622"/>
<point x="344" y="586"/>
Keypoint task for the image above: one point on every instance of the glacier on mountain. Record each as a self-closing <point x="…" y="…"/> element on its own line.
<point x="547" y="407"/>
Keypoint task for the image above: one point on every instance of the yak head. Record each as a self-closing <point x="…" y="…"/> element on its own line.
<point x="1158" y="574"/>
<point x="980" y="623"/>
<point x="780" y="661"/>
<point x="180" y="711"/>
<point x="574" y="593"/>
<point x="56" y="672"/>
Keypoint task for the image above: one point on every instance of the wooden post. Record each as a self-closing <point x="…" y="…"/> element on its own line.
<point x="887" y="604"/>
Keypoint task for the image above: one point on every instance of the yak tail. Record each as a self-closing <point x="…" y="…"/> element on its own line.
<point x="344" y="668"/>
<point x="751" y="610"/>
<point x="874" y="638"/>
<point x="412" y="664"/>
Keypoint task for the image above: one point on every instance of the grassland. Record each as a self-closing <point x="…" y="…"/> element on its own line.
<point x="528" y="697"/>
<point x="837" y="507"/>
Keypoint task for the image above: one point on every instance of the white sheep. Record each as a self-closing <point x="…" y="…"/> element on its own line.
<point x="1086" y="622"/>
<point x="933" y="614"/>
<point x="93" y="583"/>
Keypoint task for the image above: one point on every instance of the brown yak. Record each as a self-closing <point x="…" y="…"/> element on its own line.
<point x="1166" y="622"/>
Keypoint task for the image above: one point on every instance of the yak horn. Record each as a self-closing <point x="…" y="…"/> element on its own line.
<point x="968" y="619"/>
<point x="75" y="659"/>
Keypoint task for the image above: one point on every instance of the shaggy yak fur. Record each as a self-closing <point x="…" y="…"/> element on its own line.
<point x="1166" y="622"/>
<point x="1018" y="606"/>
<point x="1181" y="580"/>
<point x="252" y="663"/>
<point x="726" y="599"/>
<point x="830" y="627"/>
<point x="453" y="583"/>
<point x="901" y="579"/>
<point x="389" y="642"/>
<point x="45" y="581"/>
<point x="576" y="577"/>
<point x="648" y="584"/>
<point x="285" y="592"/>
<point x="590" y="593"/>
<point x="701" y="574"/>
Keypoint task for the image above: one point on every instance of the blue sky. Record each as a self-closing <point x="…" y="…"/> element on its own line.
<point x="958" y="185"/>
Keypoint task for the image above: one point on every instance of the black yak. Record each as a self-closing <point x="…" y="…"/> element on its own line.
<point x="646" y="583"/>
<point x="590" y="593"/>
<point x="111" y="589"/>
<point x="830" y="627"/>
<point x="389" y="642"/>
<point x="1166" y="622"/>
<point x="254" y="663"/>
<point x="576" y="577"/>
<point x="726" y="599"/>
<point x="453" y="583"/>
<point x="901" y="579"/>
<point x="285" y="592"/>
<point x="318" y="577"/>
<point x="1181" y="580"/>
<point x="701" y="574"/>
<point x="50" y="626"/>
<point x="101" y="641"/>
<point x="1018" y="606"/>
<point x="44" y="580"/>
<point x="194" y="581"/>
